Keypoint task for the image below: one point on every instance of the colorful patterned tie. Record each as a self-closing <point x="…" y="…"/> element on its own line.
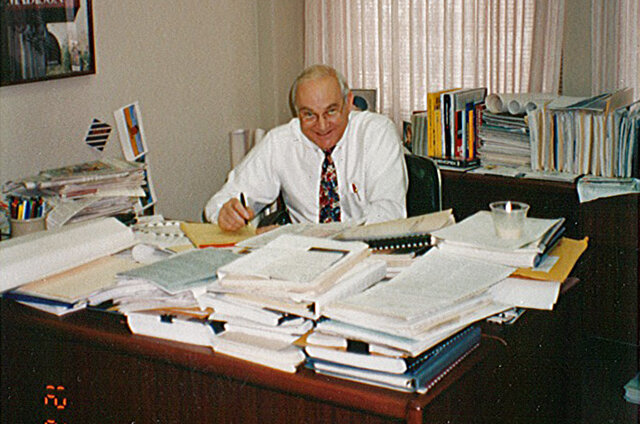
<point x="329" y="197"/>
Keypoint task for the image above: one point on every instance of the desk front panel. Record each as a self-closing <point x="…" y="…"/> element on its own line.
<point x="97" y="370"/>
<point x="542" y="369"/>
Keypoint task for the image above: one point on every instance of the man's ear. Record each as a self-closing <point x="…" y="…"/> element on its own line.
<point x="350" y="101"/>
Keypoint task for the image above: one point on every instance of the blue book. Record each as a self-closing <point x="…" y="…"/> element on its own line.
<point x="422" y="373"/>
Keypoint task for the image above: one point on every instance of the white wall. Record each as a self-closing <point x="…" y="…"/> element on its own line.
<point x="197" y="71"/>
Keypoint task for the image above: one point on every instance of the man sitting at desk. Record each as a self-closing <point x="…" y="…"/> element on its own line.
<point x="331" y="163"/>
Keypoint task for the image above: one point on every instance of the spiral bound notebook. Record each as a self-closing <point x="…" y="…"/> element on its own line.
<point x="406" y="234"/>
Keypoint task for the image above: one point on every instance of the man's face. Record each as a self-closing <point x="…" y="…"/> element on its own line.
<point x="323" y="112"/>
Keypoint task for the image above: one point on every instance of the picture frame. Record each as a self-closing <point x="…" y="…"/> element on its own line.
<point x="365" y="99"/>
<point x="43" y="40"/>
<point x="134" y="148"/>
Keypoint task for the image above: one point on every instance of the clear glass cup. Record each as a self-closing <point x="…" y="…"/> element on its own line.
<point x="508" y="218"/>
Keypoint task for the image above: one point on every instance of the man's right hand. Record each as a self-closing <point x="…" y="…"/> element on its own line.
<point x="234" y="216"/>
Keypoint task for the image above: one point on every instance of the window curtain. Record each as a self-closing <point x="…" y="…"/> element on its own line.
<point x="615" y="45"/>
<point x="406" y="48"/>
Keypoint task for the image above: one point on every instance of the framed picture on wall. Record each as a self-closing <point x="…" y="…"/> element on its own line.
<point x="364" y="99"/>
<point x="46" y="39"/>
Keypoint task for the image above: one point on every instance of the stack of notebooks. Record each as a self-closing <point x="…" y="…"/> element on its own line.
<point x="388" y="367"/>
<point x="84" y="191"/>
<point x="269" y="297"/>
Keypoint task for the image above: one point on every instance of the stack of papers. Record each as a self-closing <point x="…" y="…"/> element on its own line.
<point x="504" y="140"/>
<point x="70" y="290"/>
<point x="45" y="253"/>
<point x="475" y="237"/>
<point x="182" y="325"/>
<point x="437" y="292"/>
<point x="87" y="190"/>
<point x="268" y="298"/>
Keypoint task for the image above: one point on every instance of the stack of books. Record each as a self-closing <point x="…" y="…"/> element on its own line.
<point x="407" y="319"/>
<point x="447" y="130"/>
<point x="504" y="140"/>
<point x="388" y="367"/>
<point x="84" y="191"/>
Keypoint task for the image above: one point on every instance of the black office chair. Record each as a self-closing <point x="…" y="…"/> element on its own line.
<point x="280" y="216"/>
<point x="424" y="194"/>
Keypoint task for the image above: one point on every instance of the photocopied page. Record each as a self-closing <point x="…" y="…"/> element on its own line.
<point x="328" y="230"/>
<point x="183" y="271"/>
<point x="293" y="262"/>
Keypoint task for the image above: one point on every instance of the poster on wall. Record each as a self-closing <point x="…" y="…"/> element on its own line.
<point x="45" y="39"/>
<point x="134" y="148"/>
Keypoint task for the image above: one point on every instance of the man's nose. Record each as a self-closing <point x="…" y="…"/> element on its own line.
<point x="322" y="122"/>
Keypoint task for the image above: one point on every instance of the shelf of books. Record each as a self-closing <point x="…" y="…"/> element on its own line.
<point x="530" y="132"/>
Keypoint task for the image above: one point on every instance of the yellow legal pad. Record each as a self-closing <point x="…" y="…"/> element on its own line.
<point x="211" y="235"/>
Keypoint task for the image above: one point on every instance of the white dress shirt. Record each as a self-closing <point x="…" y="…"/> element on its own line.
<point x="369" y="161"/>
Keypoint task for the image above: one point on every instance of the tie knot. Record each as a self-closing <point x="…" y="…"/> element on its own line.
<point x="327" y="152"/>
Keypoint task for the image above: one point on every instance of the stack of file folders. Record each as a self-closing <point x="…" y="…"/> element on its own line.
<point x="390" y="368"/>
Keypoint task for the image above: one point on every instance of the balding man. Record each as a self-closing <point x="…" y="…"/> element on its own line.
<point x="331" y="162"/>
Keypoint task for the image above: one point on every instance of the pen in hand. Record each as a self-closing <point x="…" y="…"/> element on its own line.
<point x="243" y="202"/>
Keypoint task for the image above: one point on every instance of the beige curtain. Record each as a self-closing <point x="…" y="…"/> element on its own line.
<point x="615" y="44"/>
<point x="406" y="48"/>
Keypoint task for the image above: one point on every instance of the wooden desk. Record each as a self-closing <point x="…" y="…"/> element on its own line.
<point x="533" y="371"/>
